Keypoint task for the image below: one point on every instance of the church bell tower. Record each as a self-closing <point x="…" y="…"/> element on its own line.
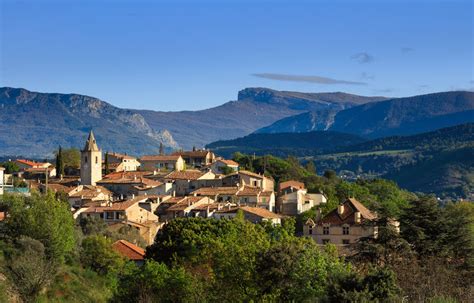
<point x="91" y="162"/>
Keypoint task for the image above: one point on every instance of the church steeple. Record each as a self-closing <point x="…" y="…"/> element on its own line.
<point x="91" y="144"/>
<point x="91" y="162"/>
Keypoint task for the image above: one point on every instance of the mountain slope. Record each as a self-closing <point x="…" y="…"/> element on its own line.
<point x="255" y="108"/>
<point x="283" y="144"/>
<point x="305" y="122"/>
<point x="401" y="116"/>
<point x="34" y="124"/>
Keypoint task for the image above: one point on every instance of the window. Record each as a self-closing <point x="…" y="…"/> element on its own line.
<point x="325" y="230"/>
<point x="85" y="159"/>
<point x="310" y="230"/>
<point x="345" y="241"/>
<point x="96" y="159"/>
<point x="326" y="241"/>
<point x="345" y="230"/>
<point x="109" y="215"/>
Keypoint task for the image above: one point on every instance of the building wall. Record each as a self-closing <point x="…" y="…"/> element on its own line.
<point x="336" y="235"/>
<point x="91" y="167"/>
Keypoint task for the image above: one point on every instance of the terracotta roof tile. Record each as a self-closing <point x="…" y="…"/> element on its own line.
<point x="185" y="175"/>
<point x="129" y="250"/>
<point x="291" y="183"/>
<point x="160" y="158"/>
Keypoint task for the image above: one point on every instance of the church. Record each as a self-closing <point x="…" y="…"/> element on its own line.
<point x="91" y="162"/>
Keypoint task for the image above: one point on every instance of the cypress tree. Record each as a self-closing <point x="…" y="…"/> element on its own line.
<point x="60" y="162"/>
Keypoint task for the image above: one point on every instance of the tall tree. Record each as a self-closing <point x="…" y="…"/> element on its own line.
<point x="106" y="163"/>
<point x="59" y="162"/>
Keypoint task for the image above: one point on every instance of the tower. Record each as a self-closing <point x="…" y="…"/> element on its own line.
<point x="91" y="162"/>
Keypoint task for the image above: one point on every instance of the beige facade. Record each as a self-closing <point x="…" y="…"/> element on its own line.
<point x="119" y="162"/>
<point x="220" y="166"/>
<point x="162" y="163"/>
<point x="297" y="201"/>
<point x="343" y="226"/>
<point x="91" y="162"/>
<point x="197" y="158"/>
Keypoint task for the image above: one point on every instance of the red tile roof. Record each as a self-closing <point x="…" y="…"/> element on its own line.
<point x="193" y="153"/>
<point x="212" y="191"/>
<point x="261" y="212"/>
<point x="229" y="162"/>
<point x="291" y="183"/>
<point x="31" y="163"/>
<point x="351" y="206"/>
<point x="129" y="250"/>
<point x="185" y="175"/>
<point x="160" y="158"/>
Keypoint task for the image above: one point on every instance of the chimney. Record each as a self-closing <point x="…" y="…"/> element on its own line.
<point x="318" y="214"/>
<point x="61" y="177"/>
<point x="357" y="217"/>
<point x="340" y="209"/>
<point x="133" y="196"/>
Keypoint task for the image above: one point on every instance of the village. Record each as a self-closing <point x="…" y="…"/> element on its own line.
<point x="146" y="193"/>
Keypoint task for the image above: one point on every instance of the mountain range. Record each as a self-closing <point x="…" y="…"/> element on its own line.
<point x="37" y="123"/>
<point x="400" y="116"/>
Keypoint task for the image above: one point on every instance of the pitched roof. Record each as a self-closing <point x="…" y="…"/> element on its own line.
<point x="90" y="191"/>
<point x="212" y="191"/>
<point x="251" y="174"/>
<point x="192" y="153"/>
<point x="229" y="162"/>
<point x="249" y="191"/>
<point x="185" y="175"/>
<point x="91" y="144"/>
<point x="33" y="164"/>
<point x="129" y="250"/>
<point x="351" y="206"/>
<point x="261" y="212"/>
<point x="159" y="158"/>
<point x="116" y="206"/>
<point x="291" y="183"/>
<point x="185" y="203"/>
<point x="120" y="156"/>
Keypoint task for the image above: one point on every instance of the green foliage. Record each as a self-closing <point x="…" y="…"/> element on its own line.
<point x="97" y="253"/>
<point x="59" y="162"/>
<point x="41" y="217"/>
<point x="27" y="268"/>
<point x="71" y="158"/>
<point x="155" y="282"/>
<point x="10" y="167"/>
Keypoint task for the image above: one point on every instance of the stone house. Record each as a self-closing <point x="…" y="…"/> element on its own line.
<point x="197" y="157"/>
<point x="189" y="180"/>
<point x="162" y="163"/>
<point x="245" y="177"/>
<point x="344" y="225"/>
<point x="220" y="166"/>
<point x="294" y="201"/>
<point x="120" y="162"/>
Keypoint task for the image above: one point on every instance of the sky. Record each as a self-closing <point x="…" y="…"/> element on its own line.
<point x="188" y="55"/>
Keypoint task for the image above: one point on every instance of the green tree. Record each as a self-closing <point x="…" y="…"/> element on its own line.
<point x="311" y="167"/>
<point x="423" y="227"/>
<point x="59" y="162"/>
<point x="155" y="282"/>
<point x="10" y="167"/>
<point x="106" y="163"/>
<point x="28" y="269"/>
<point x="44" y="218"/>
<point x="97" y="253"/>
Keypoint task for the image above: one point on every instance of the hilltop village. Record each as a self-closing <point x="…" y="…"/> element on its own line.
<point x="147" y="192"/>
<point x="190" y="226"/>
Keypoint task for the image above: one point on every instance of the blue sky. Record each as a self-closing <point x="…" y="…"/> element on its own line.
<point x="186" y="55"/>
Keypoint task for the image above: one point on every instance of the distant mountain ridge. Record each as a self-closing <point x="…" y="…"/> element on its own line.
<point x="255" y="108"/>
<point x="400" y="116"/>
<point x="34" y="124"/>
